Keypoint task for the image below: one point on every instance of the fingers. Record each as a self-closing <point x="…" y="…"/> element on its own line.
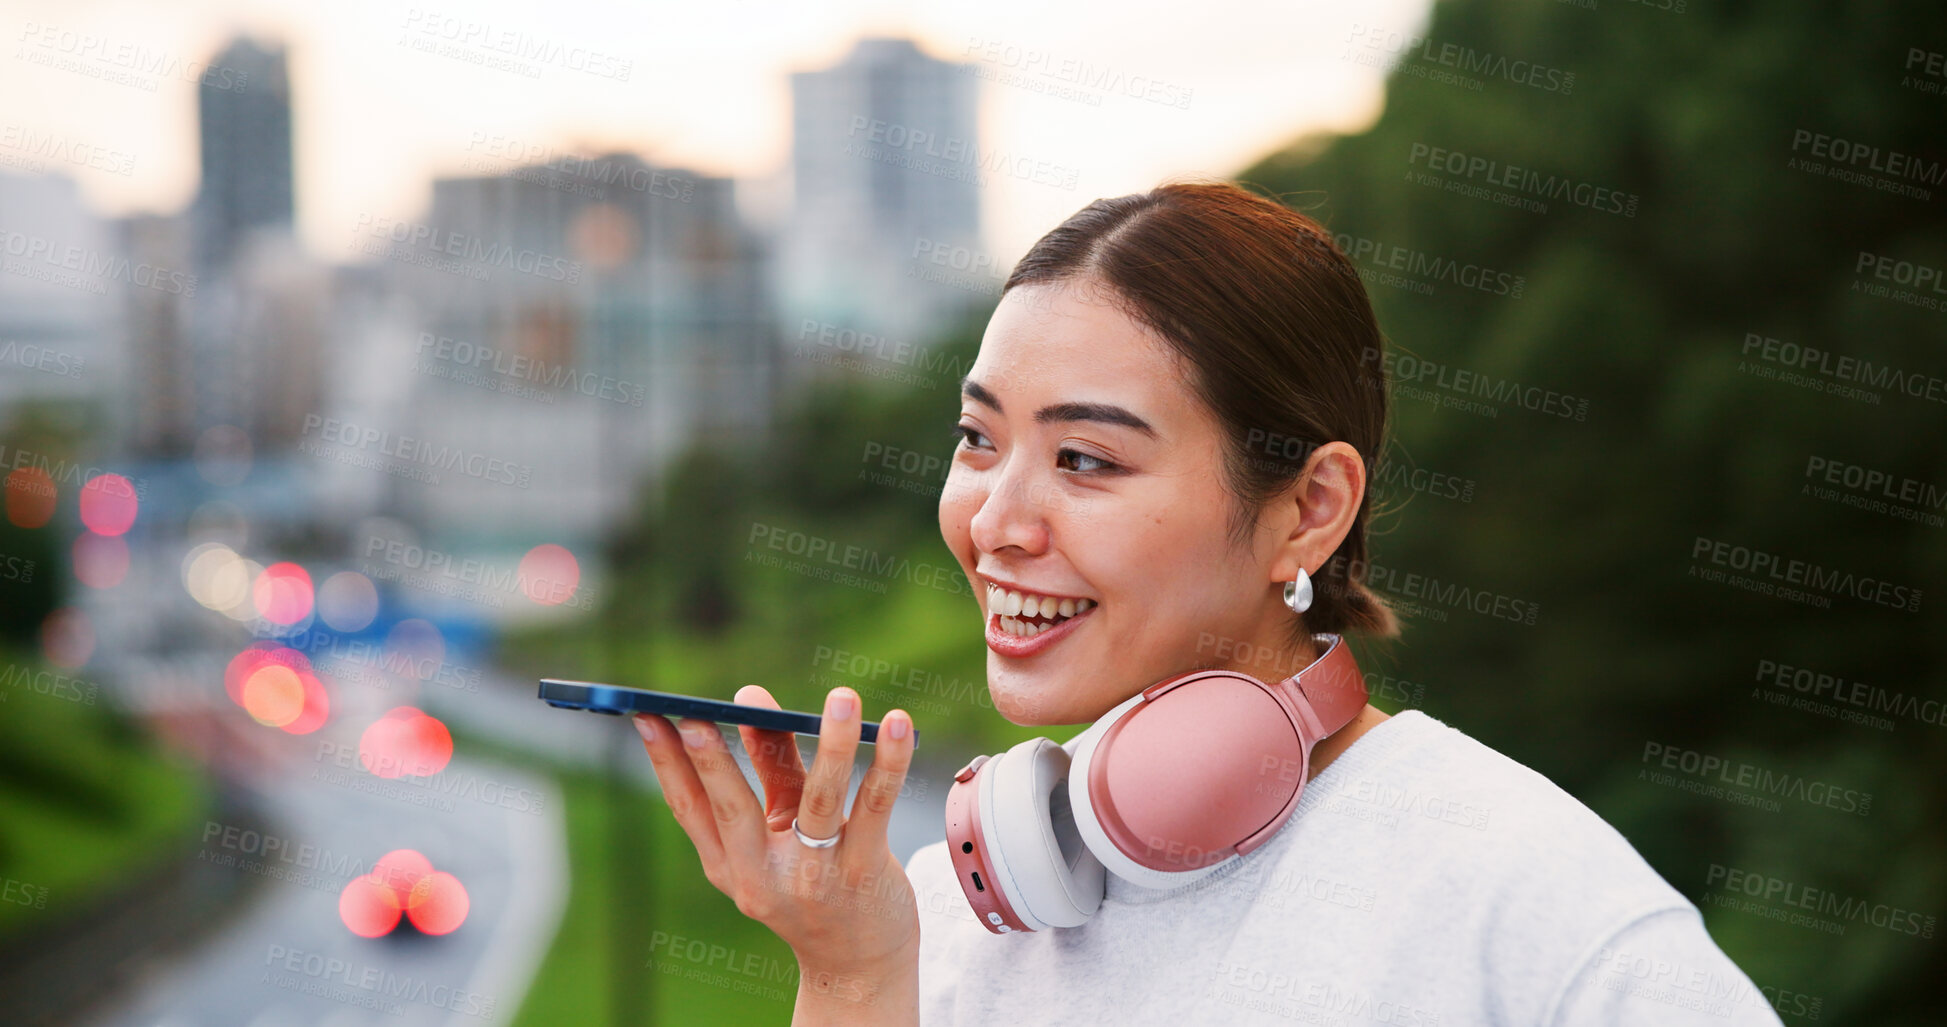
<point x="821" y="808"/>
<point x="682" y="791"/>
<point x="774" y="755"/>
<point x="739" y="817"/>
<point x="865" y="830"/>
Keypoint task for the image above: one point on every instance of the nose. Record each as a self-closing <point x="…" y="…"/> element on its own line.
<point x="1008" y="516"/>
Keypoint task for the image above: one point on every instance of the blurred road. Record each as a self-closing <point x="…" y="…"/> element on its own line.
<point x="289" y="960"/>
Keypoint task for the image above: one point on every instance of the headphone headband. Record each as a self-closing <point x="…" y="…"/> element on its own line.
<point x="1331" y="685"/>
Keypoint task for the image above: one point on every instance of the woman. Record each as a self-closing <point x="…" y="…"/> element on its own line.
<point x="1172" y="416"/>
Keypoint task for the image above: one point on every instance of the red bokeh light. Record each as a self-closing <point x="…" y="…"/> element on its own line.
<point x="282" y="593"/>
<point x="108" y="504"/>
<point x="317" y="706"/>
<point x="273" y="694"/>
<point x="30" y="497"/>
<point x="368" y="908"/>
<point x="549" y="574"/>
<point x="406" y="741"/>
<point x="403" y="882"/>
<point x="276" y="685"/>
<point x="399" y="870"/>
<point x="256" y="655"/>
<point x="438" y="904"/>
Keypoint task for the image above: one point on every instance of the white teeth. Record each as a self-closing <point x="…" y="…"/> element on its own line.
<point x="1015" y="608"/>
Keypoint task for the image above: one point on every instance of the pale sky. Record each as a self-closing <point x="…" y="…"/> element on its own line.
<point x="708" y="89"/>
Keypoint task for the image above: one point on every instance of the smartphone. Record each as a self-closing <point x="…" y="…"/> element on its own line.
<point x="618" y="699"/>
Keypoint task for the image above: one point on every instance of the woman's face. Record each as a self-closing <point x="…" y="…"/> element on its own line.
<point x="1089" y="471"/>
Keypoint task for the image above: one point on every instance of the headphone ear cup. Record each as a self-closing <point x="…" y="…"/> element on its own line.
<point x="1035" y="850"/>
<point x="1167" y="780"/>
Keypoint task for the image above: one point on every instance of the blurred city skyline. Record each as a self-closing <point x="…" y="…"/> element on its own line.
<point x="703" y="88"/>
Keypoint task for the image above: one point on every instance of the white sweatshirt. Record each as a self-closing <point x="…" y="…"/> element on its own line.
<point x="1425" y="880"/>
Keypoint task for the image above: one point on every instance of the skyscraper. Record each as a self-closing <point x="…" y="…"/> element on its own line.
<point x="245" y="125"/>
<point x="884" y="164"/>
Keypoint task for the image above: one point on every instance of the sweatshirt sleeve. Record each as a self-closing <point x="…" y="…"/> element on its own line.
<point x="1662" y="968"/>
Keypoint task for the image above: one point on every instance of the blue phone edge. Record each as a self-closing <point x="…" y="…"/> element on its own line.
<point x="615" y="700"/>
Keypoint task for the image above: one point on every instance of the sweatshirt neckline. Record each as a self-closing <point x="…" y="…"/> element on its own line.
<point x="1369" y="750"/>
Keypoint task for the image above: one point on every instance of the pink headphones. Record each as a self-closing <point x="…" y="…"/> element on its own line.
<point x="1173" y="783"/>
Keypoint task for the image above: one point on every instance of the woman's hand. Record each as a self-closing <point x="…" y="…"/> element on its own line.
<point x="847" y="911"/>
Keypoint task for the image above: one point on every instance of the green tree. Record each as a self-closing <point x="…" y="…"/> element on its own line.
<point x="1688" y="213"/>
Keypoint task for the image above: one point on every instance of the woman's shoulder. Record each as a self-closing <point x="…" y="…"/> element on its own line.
<point x="1427" y="869"/>
<point x="1428" y="792"/>
<point x="1472" y="851"/>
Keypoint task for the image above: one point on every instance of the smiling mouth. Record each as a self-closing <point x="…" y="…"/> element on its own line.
<point x="1027" y="614"/>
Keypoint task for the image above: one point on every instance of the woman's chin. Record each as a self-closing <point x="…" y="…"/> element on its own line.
<point x="1023" y="708"/>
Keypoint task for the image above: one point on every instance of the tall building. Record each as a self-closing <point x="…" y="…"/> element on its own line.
<point x="885" y="165"/>
<point x="581" y="321"/>
<point x="256" y="322"/>
<point x="258" y="341"/>
<point x="62" y="276"/>
<point x="162" y="409"/>
<point x="245" y="125"/>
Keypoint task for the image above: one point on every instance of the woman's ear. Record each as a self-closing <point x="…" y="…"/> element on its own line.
<point x="1324" y="504"/>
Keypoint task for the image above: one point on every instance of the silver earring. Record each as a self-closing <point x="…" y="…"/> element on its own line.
<point x="1298" y="592"/>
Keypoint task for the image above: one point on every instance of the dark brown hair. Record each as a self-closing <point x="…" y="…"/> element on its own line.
<point x="1280" y="342"/>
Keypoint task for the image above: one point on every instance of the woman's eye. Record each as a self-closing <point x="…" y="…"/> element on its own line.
<point x="1066" y="459"/>
<point x="968" y="434"/>
<point x="1101" y="464"/>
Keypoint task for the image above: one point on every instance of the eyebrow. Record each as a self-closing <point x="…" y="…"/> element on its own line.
<point x="1107" y="413"/>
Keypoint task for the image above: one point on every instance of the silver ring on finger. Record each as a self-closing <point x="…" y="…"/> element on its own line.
<point x="815" y="843"/>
